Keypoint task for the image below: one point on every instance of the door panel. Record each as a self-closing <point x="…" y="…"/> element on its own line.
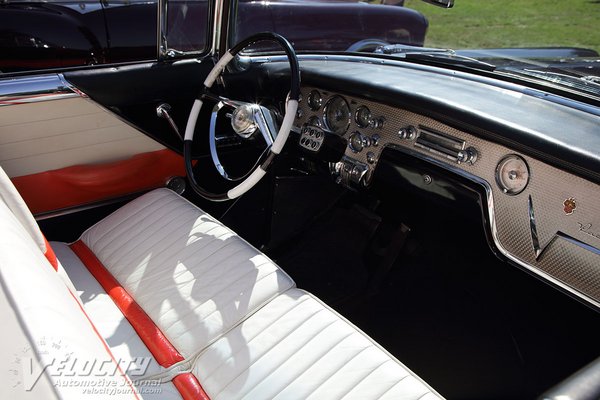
<point x="62" y="149"/>
<point x="42" y="136"/>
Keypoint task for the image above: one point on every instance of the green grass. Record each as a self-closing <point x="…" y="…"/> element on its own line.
<point x="512" y="23"/>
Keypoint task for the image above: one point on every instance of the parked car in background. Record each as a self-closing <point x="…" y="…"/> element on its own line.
<point x="64" y="33"/>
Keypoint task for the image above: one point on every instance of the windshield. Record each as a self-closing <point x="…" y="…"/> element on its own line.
<point x="549" y="42"/>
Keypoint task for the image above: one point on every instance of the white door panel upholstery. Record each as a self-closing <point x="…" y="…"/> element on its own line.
<point x="297" y="348"/>
<point x="193" y="276"/>
<point x="48" y="135"/>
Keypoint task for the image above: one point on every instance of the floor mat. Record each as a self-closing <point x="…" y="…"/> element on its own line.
<point x="330" y="259"/>
<point x="470" y="325"/>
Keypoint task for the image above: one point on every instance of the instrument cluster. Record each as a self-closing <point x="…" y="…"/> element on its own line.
<point x="337" y="114"/>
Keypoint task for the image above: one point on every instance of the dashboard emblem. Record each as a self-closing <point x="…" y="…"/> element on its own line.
<point x="569" y="206"/>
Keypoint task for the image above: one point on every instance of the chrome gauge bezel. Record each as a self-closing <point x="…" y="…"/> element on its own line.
<point x="499" y="181"/>
<point x="357" y="118"/>
<point x="315" y="121"/>
<point x="315" y="100"/>
<point x="348" y="116"/>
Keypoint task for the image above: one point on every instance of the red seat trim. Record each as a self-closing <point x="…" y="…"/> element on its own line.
<point x="50" y="255"/>
<point x="189" y="387"/>
<point x="160" y="347"/>
<point x="133" y="391"/>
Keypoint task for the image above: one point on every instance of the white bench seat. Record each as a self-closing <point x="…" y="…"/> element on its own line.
<point x="235" y="319"/>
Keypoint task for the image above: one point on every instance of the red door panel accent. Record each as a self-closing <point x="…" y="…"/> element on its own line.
<point x="82" y="184"/>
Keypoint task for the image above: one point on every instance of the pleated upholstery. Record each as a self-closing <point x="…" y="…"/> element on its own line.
<point x="193" y="276"/>
<point x="298" y="348"/>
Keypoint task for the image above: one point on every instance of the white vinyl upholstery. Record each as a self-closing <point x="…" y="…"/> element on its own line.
<point x="244" y="329"/>
<point x="297" y="348"/>
<point x="15" y="203"/>
<point x="48" y="320"/>
<point x="124" y="343"/>
<point x="194" y="277"/>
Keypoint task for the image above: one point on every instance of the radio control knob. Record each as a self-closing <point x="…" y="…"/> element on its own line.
<point x="407" y="133"/>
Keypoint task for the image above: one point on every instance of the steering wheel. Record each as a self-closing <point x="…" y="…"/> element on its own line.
<point x="246" y="119"/>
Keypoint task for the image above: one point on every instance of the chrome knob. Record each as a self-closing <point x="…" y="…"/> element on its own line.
<point x="375" y="140"/>
<point x="356" y="142"/>
<point x="469" y="155"/>
<point x="408" y="133"/>
<point x="371" y="157"/>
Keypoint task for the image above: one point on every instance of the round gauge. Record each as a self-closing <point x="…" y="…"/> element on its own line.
<point x="362" y="116"/>
<point x="337" y="115"/>
<point x="314" y="121"/>
<point x="315" y="101"/>
<point x="512" y="174"/>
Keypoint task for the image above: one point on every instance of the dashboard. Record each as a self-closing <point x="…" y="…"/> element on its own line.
<point x="541" y="217"/>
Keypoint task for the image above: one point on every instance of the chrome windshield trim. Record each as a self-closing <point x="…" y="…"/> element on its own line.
<point x="161" y="30"/>
<point x="491" y="218"/>
<point x="34" y="89"/>
<point x="219" y="9"/>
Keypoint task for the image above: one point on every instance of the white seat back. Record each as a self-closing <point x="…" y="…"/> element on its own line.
<point x="47" y="322"/>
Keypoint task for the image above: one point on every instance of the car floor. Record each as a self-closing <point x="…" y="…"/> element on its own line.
<point x="470" y="325"/>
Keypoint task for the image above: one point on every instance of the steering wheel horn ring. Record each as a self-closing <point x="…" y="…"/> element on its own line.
<point x="262" y="124"/>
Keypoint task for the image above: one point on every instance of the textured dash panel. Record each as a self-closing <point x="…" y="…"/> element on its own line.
<point x="565" y="263"/>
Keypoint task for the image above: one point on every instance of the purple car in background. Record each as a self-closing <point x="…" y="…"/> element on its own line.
<point x="63" y="33"/>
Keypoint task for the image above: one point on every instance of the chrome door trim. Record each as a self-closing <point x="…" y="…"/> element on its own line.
<point x="33" y="89"/>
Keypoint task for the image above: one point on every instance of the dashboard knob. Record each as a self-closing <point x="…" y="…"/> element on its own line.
<point x="356" y="142"/>
<point x="407" y="133"/>
<point x="469" y="155"/>
<point x="371" y="157"/>
<point x="375" y="140"/>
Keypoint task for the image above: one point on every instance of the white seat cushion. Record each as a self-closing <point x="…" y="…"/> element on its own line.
<point x="124" y="342"/>
<point x="298" y="348"/>
<point x="194" y="277"/>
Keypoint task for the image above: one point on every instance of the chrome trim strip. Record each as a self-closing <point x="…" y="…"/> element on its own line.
<point x="579" y="243"/>
<point x="34" y="89"/>
<point x="161" y="30"/>
<point x="492" y="220"/>
<point x="217" y="26"/>
<point x="537" y="249"/>
<point x="89" y="206"/>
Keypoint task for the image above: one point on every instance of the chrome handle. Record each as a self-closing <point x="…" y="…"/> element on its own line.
<point x="162" y="111"/>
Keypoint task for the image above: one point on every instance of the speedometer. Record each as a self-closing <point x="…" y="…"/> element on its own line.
<point x="337" y="115"/>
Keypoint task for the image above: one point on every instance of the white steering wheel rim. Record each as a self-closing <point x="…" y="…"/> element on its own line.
<point x="282" y="136"/>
